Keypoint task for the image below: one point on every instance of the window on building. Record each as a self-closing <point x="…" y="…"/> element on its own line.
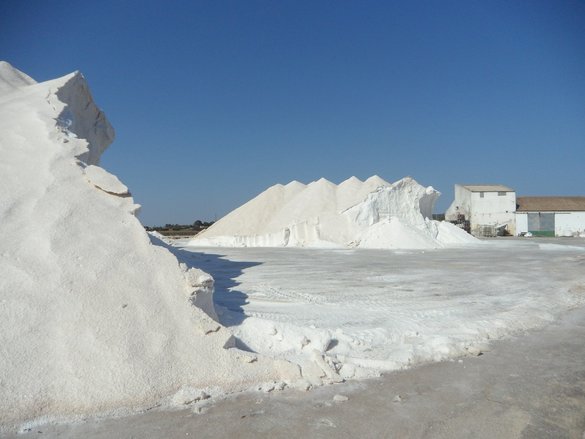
<point x="481" y="195"/>
<point x="501" y="194"/>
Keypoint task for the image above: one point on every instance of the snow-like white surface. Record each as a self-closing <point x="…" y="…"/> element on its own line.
<point x="93" y="316"/>
<point x="369" y="311"/>
<point x="12" y="79"/>
<point x="369" y="214"/>
<point x="102" y="179"/>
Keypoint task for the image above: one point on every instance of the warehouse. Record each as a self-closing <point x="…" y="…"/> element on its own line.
<point x="484" y="210"/>
<point x="551" y="216"/>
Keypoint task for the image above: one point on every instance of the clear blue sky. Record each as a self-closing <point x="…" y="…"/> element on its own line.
<point x="214" y="101"/>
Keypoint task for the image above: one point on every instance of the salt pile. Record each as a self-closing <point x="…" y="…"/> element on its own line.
<point x="369" y="214"/>
<point x="94" y="318"/>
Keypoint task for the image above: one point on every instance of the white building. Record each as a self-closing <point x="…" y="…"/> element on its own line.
<point x="487" y="208"/>
<point x="551" y="216"/>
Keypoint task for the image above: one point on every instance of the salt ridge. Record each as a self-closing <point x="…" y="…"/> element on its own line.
<point x="368" y="214"/>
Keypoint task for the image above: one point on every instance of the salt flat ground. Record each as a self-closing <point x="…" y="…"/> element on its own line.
<point x="380" y="310"/>
<point x="530" y="387"/>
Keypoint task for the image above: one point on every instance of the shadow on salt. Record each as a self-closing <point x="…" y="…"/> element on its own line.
<point x="227" y="299"/>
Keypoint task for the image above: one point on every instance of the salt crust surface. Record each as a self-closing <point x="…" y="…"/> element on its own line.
<point x="102" y="179"/>
<point x="368" y="214"/>
<point x="94" y="318"/>
<point x="367" y="311"/>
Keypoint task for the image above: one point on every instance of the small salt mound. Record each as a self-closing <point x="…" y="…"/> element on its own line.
<point x="369" y="214"/>
<point x="447" y="233"/>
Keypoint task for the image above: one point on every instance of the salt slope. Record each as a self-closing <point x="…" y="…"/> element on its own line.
<point x="369" y="214"/>
<point x="94" y="318"/>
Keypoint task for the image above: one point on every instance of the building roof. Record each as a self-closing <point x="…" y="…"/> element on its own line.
<point x="487" y="188"/>
<point x="550" y="204"/>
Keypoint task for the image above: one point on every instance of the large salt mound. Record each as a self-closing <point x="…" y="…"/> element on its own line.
<point x="93" y="316"/>
<point x="369" y="214"/>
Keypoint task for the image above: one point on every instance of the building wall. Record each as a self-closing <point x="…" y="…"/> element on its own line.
<point x="521" y="223"/>
<point x="493" y="209"/>
<point x="569" y="224"/>
<point x="566" y="223"/>
<point x="461" y="204"/>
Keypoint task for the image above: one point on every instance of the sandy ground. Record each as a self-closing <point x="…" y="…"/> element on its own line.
<point x="529" y="386"/>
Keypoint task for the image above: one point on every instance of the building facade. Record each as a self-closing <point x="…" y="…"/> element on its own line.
<point x="488" y="209"/>
<point x="551" y="216"/>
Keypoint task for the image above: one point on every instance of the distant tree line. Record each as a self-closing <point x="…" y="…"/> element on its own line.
<point x="186" y="229"/>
